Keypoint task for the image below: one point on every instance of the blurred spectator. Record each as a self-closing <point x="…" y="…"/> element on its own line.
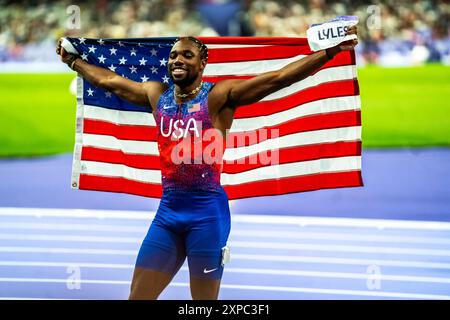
<point x="29" y="30"/>
<point x="391" y="32"/>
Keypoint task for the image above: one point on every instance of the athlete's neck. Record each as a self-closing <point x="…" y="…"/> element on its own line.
<point x="188" y="92"/>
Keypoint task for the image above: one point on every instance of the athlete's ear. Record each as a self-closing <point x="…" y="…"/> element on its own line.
<point x="203" y="63"/>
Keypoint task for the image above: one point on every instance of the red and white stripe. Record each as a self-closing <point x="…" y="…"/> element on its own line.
<point x="318" y="118"/>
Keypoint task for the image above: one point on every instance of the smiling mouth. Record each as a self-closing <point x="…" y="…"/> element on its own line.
<point x="178" y="71"/>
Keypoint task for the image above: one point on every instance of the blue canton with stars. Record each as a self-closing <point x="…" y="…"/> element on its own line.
<point x="139" y="60"/>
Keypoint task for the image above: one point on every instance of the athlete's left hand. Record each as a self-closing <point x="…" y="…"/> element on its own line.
<point x="345" y="46"/>
<point x="349" y="45"/>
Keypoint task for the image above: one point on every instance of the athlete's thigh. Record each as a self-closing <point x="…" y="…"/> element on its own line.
<point x="205" y="254"/>
<point x="147" y="284"/>
<point x="161" y="255"/>
<point x="205" y="242"/>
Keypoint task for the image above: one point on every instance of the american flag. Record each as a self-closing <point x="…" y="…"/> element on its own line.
<point x="318" y="119"/>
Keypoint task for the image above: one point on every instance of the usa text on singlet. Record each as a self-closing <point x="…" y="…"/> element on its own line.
<point x="190" y="148"/>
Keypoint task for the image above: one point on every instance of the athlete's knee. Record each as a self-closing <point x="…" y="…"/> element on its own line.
<point x="139" y="291"/>
<point x="205" y="289"/>
<point x="147" y="284"/>
<point x="137" y="294"/>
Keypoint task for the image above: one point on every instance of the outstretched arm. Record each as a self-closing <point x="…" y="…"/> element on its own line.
<point x="244" y="92"/>
<point x="144" y="94"/>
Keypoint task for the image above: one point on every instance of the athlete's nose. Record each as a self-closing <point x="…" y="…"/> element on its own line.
<point x="178" y="62"/>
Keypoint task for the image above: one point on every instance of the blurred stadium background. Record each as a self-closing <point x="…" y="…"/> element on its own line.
<point x="397" y="225"/>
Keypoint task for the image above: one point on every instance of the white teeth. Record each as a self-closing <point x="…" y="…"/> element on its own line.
<point x="178" y="71"/>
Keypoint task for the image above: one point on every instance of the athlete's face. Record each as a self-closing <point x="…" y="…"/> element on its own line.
<point x="185" y="63"/>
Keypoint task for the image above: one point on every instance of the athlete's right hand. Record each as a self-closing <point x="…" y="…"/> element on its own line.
<point x="66" y="57"/>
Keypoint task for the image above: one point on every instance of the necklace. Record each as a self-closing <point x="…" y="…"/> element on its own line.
<point x="184" y="95"/>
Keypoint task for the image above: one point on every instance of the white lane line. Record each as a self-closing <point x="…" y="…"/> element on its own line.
<point x="256" y="219"/>
<point x="344" y="261"/>
<point x="77" y="213"/>
<point x="343" y="222"/>
<point x="68" y="250"/>
<point x="49" y="280"/>
<point x="258" y="233"/>
<point x="88" y="226"/>
<point x="70" y="238"/>
<point x="235" y="244"/>
<point x="66" y="264"/>
<point x="253" y="257"/>
<point x="242" y="244"/>
<point x="340" y="248"/>
<point x="385" y="294"/>
<point x="278" y="272"/>
<point x="341" y="275"/>
<point x="331" y="236"/>
<point x="378" y="294"/>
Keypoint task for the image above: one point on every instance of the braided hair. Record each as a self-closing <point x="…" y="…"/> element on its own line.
<point x="200" y="45"/>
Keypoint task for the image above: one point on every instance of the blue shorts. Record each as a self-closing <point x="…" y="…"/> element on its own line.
<point x="195" y="225"/>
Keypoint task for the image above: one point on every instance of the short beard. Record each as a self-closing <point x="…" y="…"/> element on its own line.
<point x="187" y="81"/>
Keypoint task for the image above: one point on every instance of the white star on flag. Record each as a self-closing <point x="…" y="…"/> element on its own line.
<point x="92" y="49"/>
<point x="144" y="78"/>
<point x="108" y="94"/>
<point x="101" y="41"/>
<point x="154" y="52"/>
<point x="142" y="61"/>
<point x="165" y="79"/>
<point x="82" y="40"/>
<point x="121" y="44"/>
<point x="123" y="60"/>
<point x="133" y="52"/>
<point x="154" y="69"/>
<point x="113" y="51"/>
<point x="163" y="61"/>
<point x="84" y="56"/>
<point x="112" y="68"/>
<point x="133" y="69"/>
<point x="90" y="92"/>
<point x="102" y="59"/>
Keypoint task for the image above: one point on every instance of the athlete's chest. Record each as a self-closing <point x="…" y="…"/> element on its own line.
<point x="181" y="120"/>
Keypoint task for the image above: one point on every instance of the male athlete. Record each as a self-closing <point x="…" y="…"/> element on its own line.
<point x="193" y="218"/>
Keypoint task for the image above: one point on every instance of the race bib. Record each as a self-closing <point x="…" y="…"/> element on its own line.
<point x="331" y="33"/>
<point x="225" y="255"/>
